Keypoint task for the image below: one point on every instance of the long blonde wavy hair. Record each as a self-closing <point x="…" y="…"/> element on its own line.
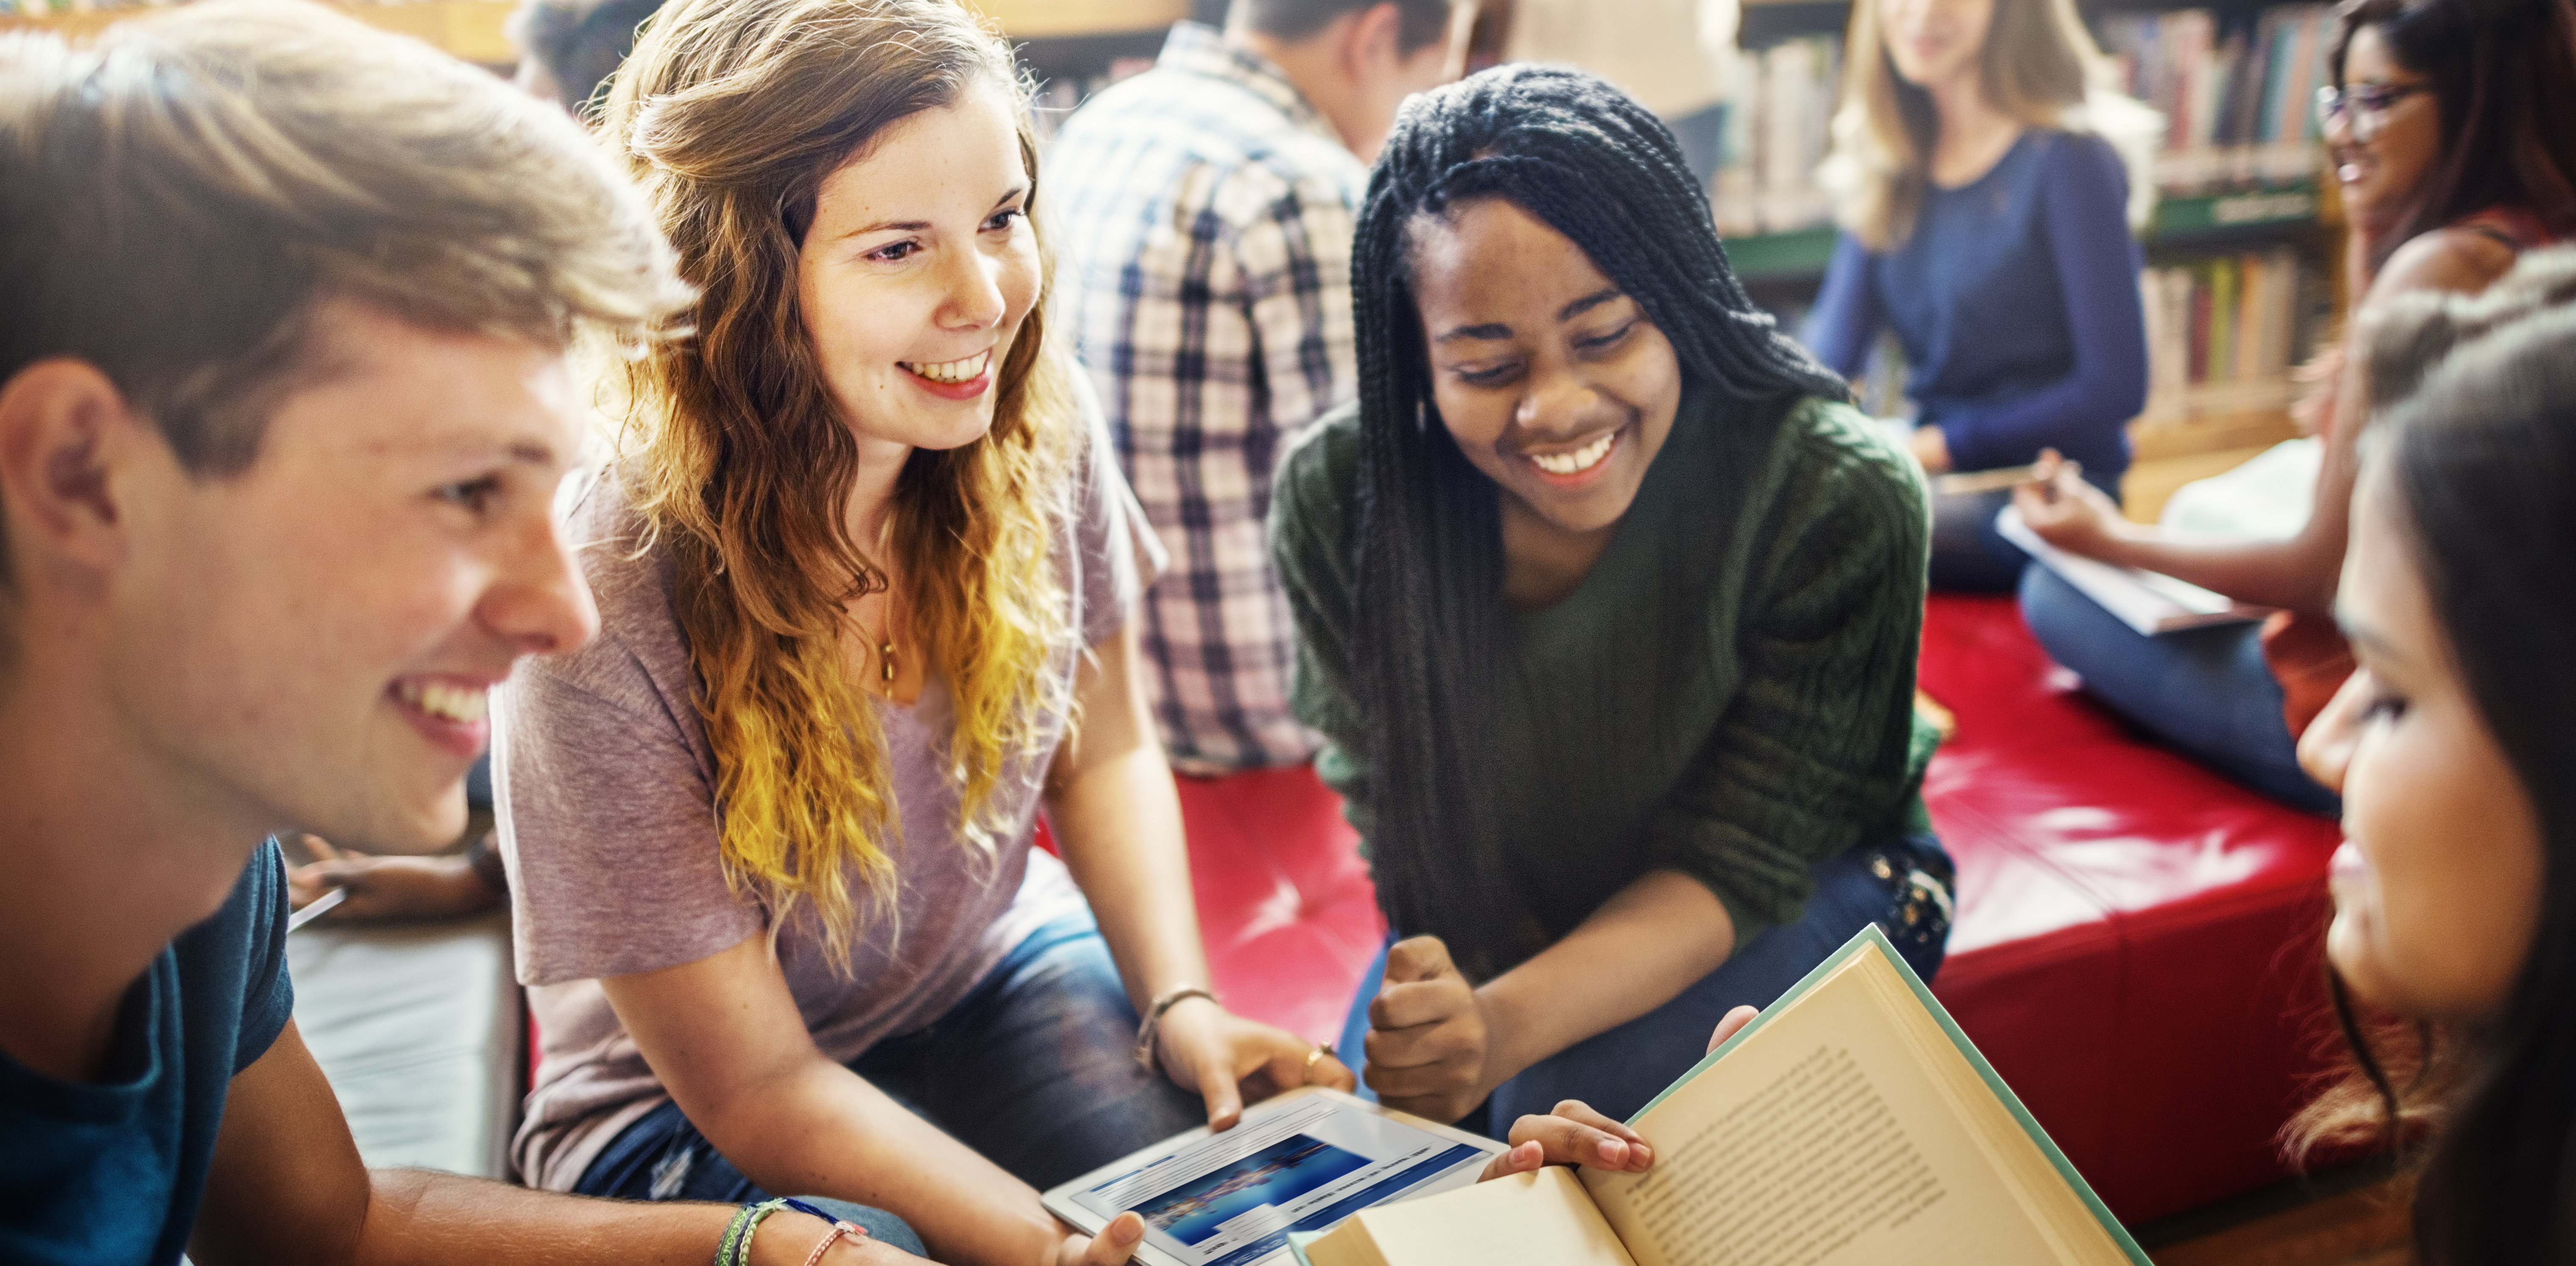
<point x="731" y="114"/>
<point x="2039" y="65"/>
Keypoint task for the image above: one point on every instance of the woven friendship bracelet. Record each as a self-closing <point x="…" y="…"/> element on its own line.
<point x="735" y="1250"/>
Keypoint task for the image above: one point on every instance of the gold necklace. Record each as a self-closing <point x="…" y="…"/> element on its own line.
<point x="885" y="642"/>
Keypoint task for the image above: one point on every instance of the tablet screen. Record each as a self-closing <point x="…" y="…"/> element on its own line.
<point x="1230" y="1199"/>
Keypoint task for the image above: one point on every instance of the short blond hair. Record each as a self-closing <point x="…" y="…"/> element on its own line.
<point x="180" y="192"/>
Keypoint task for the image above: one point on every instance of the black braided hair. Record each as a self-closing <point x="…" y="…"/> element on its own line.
<point x="1593" y="164"/>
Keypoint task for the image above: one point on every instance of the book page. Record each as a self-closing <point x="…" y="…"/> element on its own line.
<point x="2054" y="1206"/>
<point x="1821" y="1139"/>
<point x="1542" y="1219"/>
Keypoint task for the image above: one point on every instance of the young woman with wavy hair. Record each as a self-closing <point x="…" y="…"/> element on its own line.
<point x="2455" y="889"/>
<point x="864" y="574"/>
<point x="1979" y="176"/>
<point x="1608" y="605"/>
<point x="2452" y="128"/>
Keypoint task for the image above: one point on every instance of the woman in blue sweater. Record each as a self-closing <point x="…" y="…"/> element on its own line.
<point x="1986" y="222"/>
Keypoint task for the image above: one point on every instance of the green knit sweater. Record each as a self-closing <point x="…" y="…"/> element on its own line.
<point x="1790" y="738"/>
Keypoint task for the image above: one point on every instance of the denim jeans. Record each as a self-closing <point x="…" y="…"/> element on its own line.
<point x="1033" y="1069"/>
<point x="2207" y="692"/>
<point x="1903" y="886"/>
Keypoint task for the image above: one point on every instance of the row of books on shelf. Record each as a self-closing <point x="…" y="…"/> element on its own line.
<point x="2238" y="93"/>
<point x="1778" y="127"/>
<point x="2233" y="321"/>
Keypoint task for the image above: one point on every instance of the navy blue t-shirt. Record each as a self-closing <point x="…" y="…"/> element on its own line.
<point x="110" y="1172"/>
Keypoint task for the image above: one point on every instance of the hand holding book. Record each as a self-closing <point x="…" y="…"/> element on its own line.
<point x="1851" y="1122"/>
<point x="1574" y="1134"/>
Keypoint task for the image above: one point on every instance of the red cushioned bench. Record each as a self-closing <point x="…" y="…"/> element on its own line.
<point x="2136" y="946"/>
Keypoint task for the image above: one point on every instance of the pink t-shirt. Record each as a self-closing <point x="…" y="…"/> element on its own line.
<point x="605" y="787"/>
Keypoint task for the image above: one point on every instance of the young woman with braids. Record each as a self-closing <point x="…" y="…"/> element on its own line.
<point x="865" y="564"/>
<point x="1608" y="608"/>
<point x="2452" y="127"/>
<point x="2455" y="889"/>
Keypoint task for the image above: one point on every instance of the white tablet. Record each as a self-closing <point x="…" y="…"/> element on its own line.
<point x="1300" y="1162"/>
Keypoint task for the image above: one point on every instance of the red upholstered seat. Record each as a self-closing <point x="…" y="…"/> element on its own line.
<point x="2137" y="947"/>
<point x="1285" y="904"/>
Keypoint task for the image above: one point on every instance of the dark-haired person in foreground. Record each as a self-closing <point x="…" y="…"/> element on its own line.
<point x="1608" y="606"/>
<point x="1208" y="206"/>
<point x="284" y="306"/>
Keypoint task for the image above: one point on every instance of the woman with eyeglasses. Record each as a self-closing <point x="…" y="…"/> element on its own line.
<point x="2452" y="128"/>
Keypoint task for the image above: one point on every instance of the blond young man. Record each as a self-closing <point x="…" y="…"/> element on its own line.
<point x="284" y="398"/>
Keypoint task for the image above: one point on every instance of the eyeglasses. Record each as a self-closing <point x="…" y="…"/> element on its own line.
<point x="2368" y="104"/>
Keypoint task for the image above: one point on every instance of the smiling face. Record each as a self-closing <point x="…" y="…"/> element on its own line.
<point x="2382" y="156"/>
<point x="309" y="642"/>
<point x="1551" y="380"/>
<point x="918" y="270"/>
<point x="2437" y="885"/>
<point x="1935" y="42"/>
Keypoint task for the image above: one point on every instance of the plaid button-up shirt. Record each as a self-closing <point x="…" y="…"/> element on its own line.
<point x="1205" y="212"/>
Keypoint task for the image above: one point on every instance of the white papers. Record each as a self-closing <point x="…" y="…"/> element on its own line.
<point x="2146" y="601"/>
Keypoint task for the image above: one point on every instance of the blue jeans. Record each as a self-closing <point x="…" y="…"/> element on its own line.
<point x="1033" y="1069"/>
<point x="1619" y="1070"/>
<point x="2206" y="692"/>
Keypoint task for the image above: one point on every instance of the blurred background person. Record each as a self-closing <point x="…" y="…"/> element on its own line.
<point x="569" y="48"/>
<point x="1986" y="205"/>
<point x="2452" y="128"/>
<point x="1207" y="207"/>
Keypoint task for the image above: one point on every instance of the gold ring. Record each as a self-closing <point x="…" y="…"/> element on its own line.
<point x="1312" y="1057"/>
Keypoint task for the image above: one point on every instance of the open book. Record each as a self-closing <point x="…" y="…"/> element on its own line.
<point x="2147" y="601"/>
<point x="1851" y="1123"/>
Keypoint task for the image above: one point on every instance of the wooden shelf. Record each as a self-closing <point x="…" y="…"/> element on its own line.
<point x="470" y="29"/>
<point x="2212" y="417"/>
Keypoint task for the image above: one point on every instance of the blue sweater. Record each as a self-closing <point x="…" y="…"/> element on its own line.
<point x="2016" y="299"/>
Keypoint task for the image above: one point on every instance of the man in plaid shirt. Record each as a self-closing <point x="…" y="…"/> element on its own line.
<point x="1206" y="210"/>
